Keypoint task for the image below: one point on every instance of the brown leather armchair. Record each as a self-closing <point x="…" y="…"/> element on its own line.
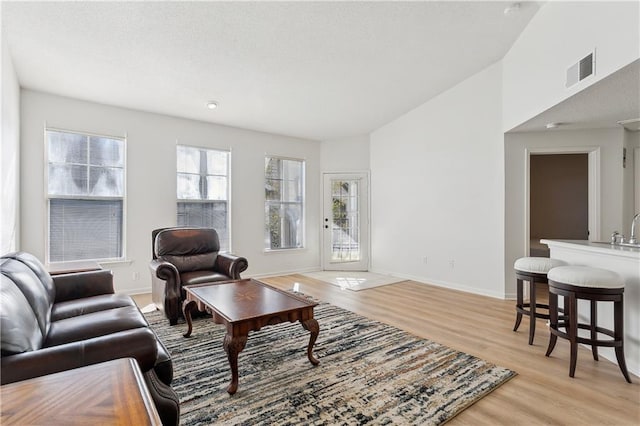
<point x="184" y="256"/>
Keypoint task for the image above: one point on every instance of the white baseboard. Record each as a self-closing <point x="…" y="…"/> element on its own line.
<point x="510" y="296"/>
<point x="444" y="284"/>
<point x="133" y="291"/>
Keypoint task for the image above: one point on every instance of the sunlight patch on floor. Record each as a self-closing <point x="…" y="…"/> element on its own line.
<point x="353" y="280"/>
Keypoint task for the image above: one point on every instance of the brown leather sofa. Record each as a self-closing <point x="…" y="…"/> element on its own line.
<point x="184" y="256"/>
<point x="51" y="324"/>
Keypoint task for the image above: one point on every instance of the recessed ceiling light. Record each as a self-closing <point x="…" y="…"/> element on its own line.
<point x="552" y="125"/>
<point x="512" y="8"/>
<point x="212" y="105"/>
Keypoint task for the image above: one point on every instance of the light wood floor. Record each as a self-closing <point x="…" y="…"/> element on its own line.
<point x="542" y="393"/>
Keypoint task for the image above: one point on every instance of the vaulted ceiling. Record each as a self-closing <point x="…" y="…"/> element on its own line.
<point x="315" y="70"/>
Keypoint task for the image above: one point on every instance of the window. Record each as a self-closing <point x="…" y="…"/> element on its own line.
<point x="85" y="191"/>
<point x="284" y="203"/>
<point x="203" y="190"/>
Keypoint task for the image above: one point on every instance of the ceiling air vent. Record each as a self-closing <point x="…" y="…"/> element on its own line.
<point x="581" y="70"/>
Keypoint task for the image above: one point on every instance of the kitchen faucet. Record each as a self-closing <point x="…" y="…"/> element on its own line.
<point x="632" y="238"/>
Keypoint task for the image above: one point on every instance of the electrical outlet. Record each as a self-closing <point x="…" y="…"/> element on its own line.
<point x="136" y="276"/>
<point x="424" y="260"/>
<point x="452" y="264"/>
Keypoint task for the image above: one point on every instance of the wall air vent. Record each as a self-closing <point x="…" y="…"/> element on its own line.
<point x="581" y="70"/>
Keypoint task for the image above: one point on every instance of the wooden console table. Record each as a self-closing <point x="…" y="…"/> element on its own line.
<point x="112" y="392"/>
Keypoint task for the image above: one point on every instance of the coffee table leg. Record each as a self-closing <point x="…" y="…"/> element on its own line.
<point x="188" y="306"/>
<point x="314" y="328"/>
<point x="233" y="345"/>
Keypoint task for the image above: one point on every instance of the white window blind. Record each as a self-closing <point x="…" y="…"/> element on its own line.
<point x="203" y="190"/>
<point x="85" y="188"/>
<point x="284" y="203"/>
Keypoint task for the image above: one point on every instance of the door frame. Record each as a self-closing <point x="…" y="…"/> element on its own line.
<point x="366" y="227"/>
<point x="593" y="182"/>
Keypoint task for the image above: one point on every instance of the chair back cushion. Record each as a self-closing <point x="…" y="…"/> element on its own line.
<point x="188" y="249"/>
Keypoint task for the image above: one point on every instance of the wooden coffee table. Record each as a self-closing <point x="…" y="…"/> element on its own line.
<point x="244" y="306"/>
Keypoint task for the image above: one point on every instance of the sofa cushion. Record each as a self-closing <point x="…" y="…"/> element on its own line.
<point x="93" y="325"/>
<point x="19" y="329"/>
<point x="88" y="305"/>
<point x="31" y="288"/>
<point x="80" y="285"/>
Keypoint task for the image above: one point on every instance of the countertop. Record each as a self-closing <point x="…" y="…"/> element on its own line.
<point x="596" y="247"/>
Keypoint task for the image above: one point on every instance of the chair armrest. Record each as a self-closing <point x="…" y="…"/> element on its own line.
<point x="231" y="265"/>
<point x="169" y="273"/>
<point x="78" y="285"/>
<point x="138" y="343"/>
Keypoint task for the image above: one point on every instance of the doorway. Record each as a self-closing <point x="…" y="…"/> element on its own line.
<point x="345" y="222"/>
<point x="593" y="189"/>
<point x="558" y="199"/>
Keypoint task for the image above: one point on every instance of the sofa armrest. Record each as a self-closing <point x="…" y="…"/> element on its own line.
<point x="165" y="399"/>
<point x="138" y="343"/>
<point x="78" y="285"/>
<point x="231" y="265"/>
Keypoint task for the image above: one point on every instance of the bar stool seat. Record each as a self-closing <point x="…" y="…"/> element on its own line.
<point x="595" y="285"/>
<point x="534" y="271"/>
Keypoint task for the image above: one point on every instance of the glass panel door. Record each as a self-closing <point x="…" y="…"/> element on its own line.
<point x="345" y="222"/>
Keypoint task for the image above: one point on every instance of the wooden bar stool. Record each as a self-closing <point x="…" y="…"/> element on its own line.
<point x="595" y="285"/>
<point x="534" y="271"/>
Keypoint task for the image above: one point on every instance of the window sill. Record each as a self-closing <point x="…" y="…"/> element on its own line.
<point x="116" y="263"/>
<point x="56" y="268"/>
<point x="61" y="268"/>
<point x="285" y="250"/>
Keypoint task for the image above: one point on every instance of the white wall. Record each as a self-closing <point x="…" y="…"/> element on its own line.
<point x="609" y="141"/>
<point x="345" y="155"/>
<point x="559" y="35"/>
<point x="9" y="155"/>
<point x="151" y="180"/>
<point x="437" y="189"/>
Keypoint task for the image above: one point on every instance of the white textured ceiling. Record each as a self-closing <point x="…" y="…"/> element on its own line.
<point x="604" y="103"/>
<point x="316" y="70"/>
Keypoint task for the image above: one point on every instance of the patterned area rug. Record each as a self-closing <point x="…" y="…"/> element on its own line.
<point x="369" y="372"/>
